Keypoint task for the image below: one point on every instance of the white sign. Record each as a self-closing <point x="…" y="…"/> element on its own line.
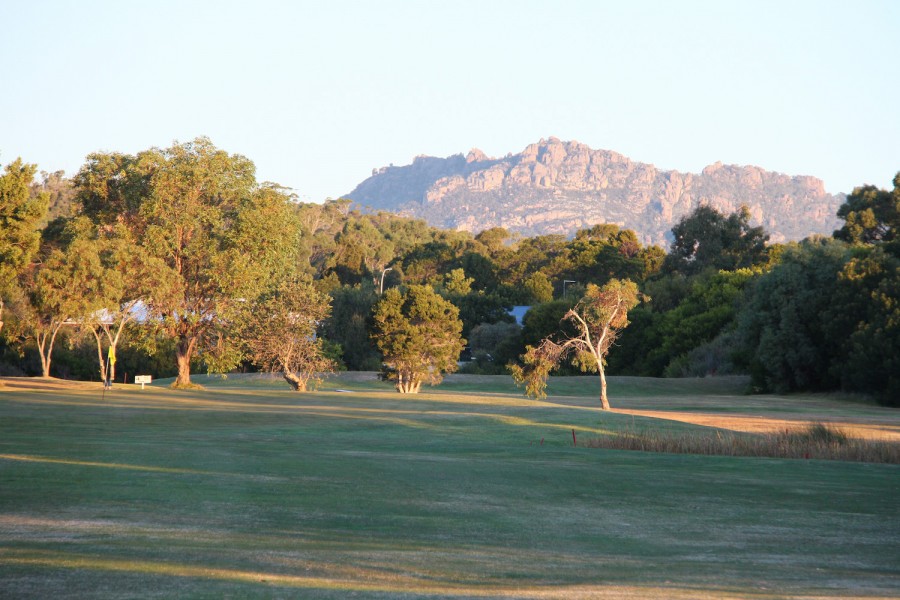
<point x="142" y="379"/>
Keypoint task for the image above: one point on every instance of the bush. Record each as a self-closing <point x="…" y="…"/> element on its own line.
<point x="711" y="358"/>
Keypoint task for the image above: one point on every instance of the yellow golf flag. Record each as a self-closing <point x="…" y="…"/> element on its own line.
<point x="112" y="355"/>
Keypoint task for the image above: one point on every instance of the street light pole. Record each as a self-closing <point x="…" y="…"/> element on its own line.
<point x="381" y="287"/>
<point x="565" y="281"/>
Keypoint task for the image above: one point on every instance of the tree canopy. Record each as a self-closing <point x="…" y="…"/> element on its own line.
<point x="419" y="334"/>
<point x="871" y="216"/>
<point x="20" y="213"/>
<point x="707" y="239"/>
<point x="214" y="236"/>
<point x="784" y="327"/>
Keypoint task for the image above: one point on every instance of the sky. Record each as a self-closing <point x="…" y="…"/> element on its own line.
<point x="317" y="94"/>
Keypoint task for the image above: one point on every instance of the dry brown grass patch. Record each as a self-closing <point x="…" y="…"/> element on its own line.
<point x="816" y="441"/>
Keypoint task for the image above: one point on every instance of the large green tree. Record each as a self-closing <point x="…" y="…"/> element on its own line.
<point x="360" y="251"/>
<point x="863" y="320"/>
<point x="709" y="309"/>
<point x="548" y="254"/>
<point x="871" y="216"/>
<point x="825" y="317"/>
<point x="787" y="340"/>
<point x="63" y="289"/>
<point x="20" y="214"/>
<point x="217" y="238"/>
<point x="117" y="300"/>
<point x="707" y="239"/>
<point x="428" y="262"/>
<point x="605" y="252"/>
<point x="419" y="334"/>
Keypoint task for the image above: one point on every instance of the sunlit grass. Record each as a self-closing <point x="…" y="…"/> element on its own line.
<point x="83" y="463"/>
<point x="353" y="581"/>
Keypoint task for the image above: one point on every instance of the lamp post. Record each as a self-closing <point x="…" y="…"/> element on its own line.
<point x="381" y="287"/>
<point x="565" y="281"/>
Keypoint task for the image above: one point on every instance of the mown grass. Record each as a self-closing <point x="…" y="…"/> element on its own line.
<point x="248" y="490"/>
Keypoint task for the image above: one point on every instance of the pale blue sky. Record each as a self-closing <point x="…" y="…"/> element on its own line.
<point x="319" y="93"/>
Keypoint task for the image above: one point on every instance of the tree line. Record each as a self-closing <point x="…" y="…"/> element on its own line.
<point x="180" y="260"/>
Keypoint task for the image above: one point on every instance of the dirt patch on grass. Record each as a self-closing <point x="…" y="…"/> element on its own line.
<point x="47" y="384"/>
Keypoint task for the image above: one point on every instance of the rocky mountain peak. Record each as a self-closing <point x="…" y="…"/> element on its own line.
<point x="556" y="186"/>
<point x="475" y="155"/>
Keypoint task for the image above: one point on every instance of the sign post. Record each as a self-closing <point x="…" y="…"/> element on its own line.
<point x="142" y="379"/>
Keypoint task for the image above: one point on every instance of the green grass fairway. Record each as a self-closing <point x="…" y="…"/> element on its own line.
<point x="248" y="490"/>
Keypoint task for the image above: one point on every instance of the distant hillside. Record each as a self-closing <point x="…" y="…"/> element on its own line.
<point x="559" y="187"/>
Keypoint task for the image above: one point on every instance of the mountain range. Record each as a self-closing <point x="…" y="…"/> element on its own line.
<point x="556" y="186"/>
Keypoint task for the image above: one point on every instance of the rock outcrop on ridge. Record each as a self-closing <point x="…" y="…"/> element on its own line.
<point x="555" y="186"/>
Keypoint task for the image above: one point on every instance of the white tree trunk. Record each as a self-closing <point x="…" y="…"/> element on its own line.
<point x="45" y="346"/>
<point x="408" y="383"/>
<point x="604" y="401"/>
<point x="102" y="362"/>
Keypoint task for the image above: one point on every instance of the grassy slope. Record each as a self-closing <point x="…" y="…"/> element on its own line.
<point x="247" y="489"/>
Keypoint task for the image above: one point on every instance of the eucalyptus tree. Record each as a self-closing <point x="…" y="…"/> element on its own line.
<point x="214" y="239"/>
<point x="128" y="278"/>
<point x="20" y="214"/>
<point x="596" y="321"/>
<point x="360" y="251"/>
<point x="60" y="290"/>
<point x="548" y="254"/>
<point x="604" y="252"/>
<point x="281" y="336"/>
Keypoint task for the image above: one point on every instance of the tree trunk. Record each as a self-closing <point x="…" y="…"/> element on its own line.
<point x="45" y="356"/>
<point x="297" y="384"/>
<point x="114" y="339"/>
<point x="408" y="383"/>
<point x="183" y="352"/>
<point x="45" y="346"/>
<point x="100" y="358"/>
<point x="604" y="401"/>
